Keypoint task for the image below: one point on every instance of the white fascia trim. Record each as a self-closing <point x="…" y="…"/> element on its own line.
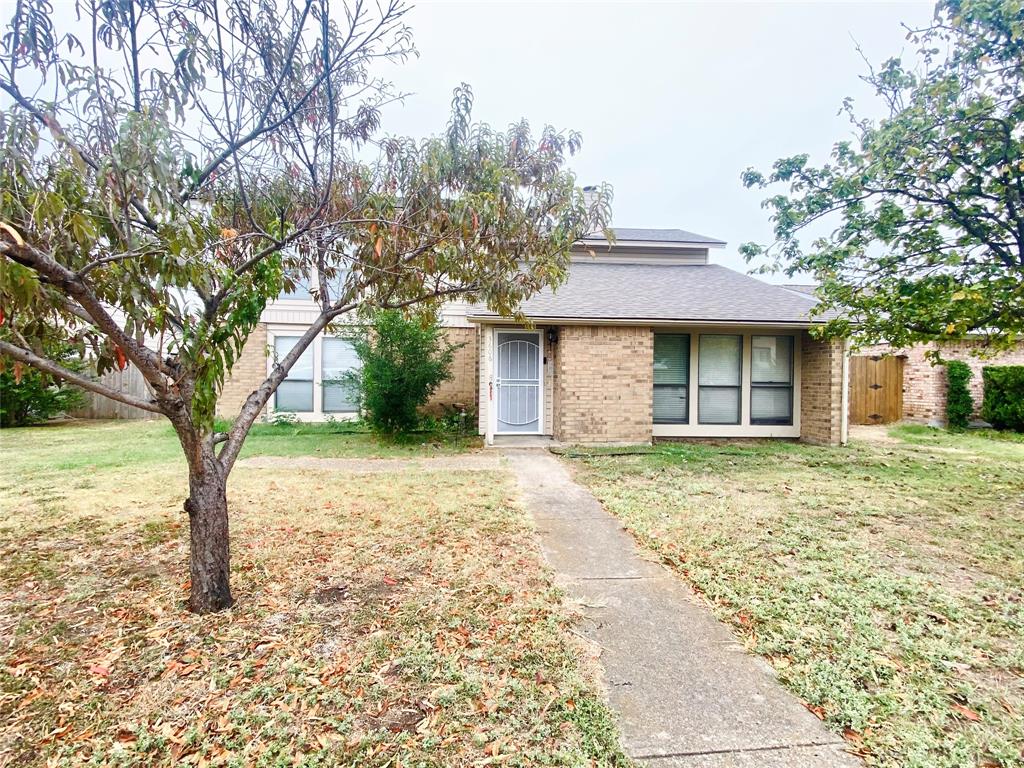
<point x="491" y="320"/>
<point x="636" y="244"/>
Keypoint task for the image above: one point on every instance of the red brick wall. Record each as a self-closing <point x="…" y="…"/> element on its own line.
<point x="924" y="384"/>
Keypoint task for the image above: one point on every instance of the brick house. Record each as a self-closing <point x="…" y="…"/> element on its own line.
<point x="647" y="339"/>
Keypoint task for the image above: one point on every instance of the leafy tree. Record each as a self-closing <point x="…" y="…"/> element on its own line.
<point x="926" y="207"/>
<point x="402" y="361"/>
<point x="28" y="396"/>
<point x="179" y="163"/>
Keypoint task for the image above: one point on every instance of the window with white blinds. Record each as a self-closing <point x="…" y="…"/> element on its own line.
<point x="337" y="358"/>
<point x="295" y="393"/>
<point x="771" y="379"/>
<point x="719" y="378"/>
<point x="671" y="378"/>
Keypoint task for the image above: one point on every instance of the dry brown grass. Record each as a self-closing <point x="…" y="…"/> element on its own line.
<point x="395" y="619"/>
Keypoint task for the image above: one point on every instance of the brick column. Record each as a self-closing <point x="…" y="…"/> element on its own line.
<point x="821" y="390"/>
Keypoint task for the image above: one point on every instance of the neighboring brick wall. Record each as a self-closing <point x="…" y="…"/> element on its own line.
<point x="821" y="390"/>
<point x="248" y="373"/>
<point x="603" y="384"/>
<point x="924" y="384"/>
<point x="462" y="387"/>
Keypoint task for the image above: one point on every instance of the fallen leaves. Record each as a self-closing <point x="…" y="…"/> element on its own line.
<point x="372" y="624"/>
<point x="966" y="712"/>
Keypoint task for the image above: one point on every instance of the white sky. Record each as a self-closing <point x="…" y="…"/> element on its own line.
<point x="673" y="100"/>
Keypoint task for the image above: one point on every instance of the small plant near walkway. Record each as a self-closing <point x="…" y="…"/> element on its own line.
<point x="402" y="361"/>
<point x="883" y="582"/>
<point x="399" y="619"/>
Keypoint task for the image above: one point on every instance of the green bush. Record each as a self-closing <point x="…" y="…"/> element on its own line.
<point x="402" y="361"/>
<point x="959" y="403"/>
<point x="1003" y="406"/>
<point x="28" y="396"/>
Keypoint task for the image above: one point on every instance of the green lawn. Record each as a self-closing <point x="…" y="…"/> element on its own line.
<point x="883" y="581"/>
<point x="77" y="445"/>
<point x="382" y="620"/>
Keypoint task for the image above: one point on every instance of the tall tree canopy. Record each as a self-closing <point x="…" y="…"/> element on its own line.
<point x="170" y="166"/>
<point x="926" y="206"/>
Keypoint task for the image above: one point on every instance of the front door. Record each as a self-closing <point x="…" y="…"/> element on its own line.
<point x="517" y="376"/>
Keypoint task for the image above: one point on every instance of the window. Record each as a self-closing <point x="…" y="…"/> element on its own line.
<point x="338" y="358"/>
<point x="671" y="378"/>
<point x="305" y="287"/>
<point x="719" y="377"/>
<point x="771" y="379"/>
<point x="296" y="392"/>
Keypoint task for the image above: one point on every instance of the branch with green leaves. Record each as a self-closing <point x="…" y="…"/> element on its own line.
<point x="915" y="231"/>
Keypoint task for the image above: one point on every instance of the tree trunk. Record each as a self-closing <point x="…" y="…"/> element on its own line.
<point x="210" y="551"/>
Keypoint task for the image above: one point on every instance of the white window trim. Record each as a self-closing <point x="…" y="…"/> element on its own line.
<point x="744" y="428"/>
<point x="317" y="414"/>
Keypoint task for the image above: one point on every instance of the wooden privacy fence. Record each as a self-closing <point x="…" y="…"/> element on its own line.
<point x="130" y="382"/>
<point x="876" y="389"/>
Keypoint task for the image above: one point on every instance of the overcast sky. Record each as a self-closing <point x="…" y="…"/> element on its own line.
<point x="673" y="100"/>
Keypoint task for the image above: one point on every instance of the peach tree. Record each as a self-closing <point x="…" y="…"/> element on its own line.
<point x="168" y="167"/>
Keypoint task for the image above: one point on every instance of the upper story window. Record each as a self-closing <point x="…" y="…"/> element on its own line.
<point x="303" y="291"/>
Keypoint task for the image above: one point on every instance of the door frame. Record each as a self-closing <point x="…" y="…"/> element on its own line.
<point x="493" y="404"/>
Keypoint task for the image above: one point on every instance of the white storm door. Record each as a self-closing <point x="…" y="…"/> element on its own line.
<point x="517" y="378"/>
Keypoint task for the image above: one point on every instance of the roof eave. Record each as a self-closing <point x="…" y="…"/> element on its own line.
<point x="660" y="321"/>
<point x="645" y="244"/>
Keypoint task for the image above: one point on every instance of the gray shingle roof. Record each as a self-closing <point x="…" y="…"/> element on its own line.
<point x="665" y="292"/>
<point x="628" y="234"/>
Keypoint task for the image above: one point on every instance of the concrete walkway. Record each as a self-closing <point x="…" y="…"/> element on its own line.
<point x="686" y="693"/>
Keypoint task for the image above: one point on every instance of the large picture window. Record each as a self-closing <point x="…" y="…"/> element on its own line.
<point x="771" y="379"/>
<point x="337" y="359"/>
<point x="719" y="378"/>
<point x="295" y="393"/>
<point x="671" y="378"/>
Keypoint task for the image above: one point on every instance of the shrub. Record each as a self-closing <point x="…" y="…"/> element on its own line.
<point x="28" y="396"/>
<point x="959" y="403"/>
<point x="1003" y="406"/>
<point x="402" y="361"/>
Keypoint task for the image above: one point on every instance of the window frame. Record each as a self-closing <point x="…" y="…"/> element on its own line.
<point x="738" y="387"/>
<point x="791" y="386"/>
<point x="296" y="380"/>
<point x="277" y="331"/>
<point x="689" y="351"/>
<point x="323" y="385"/>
